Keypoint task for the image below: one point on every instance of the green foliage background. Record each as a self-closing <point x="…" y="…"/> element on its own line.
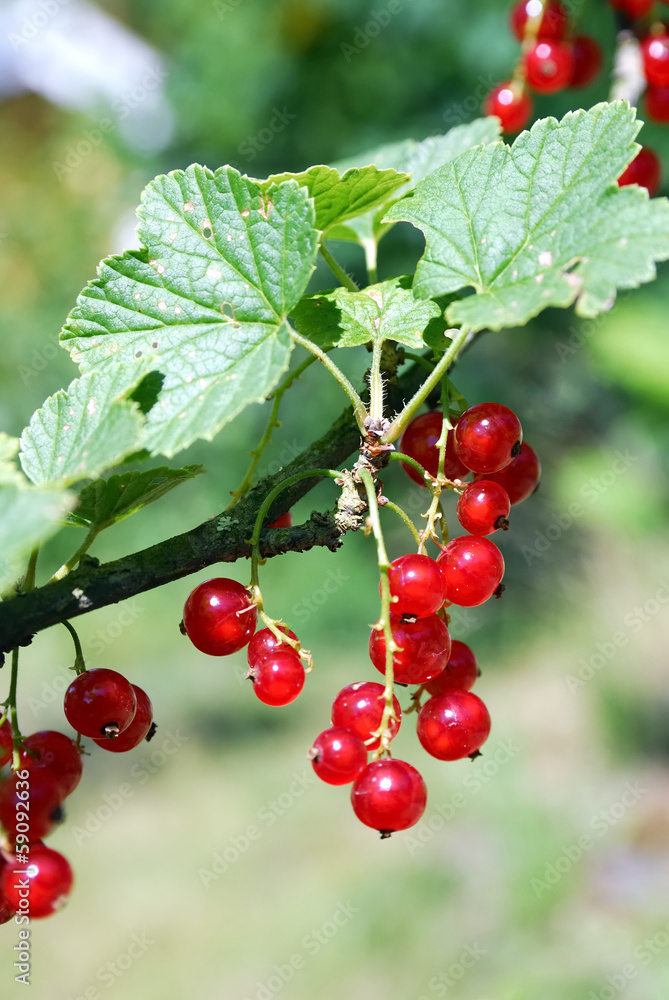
<point x="593" y="399"/>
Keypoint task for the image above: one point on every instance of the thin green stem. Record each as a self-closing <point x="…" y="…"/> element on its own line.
<point x="359" y="410"/>
<point x="376" y="382"/>
<point x="256" y="454"/>
<point x="404" y="418"/>
<point x="337" y="269"/>
<point x="79" y="663"/>
<point x="11" y="704"/>
<point x="419" y="359"/>
<point x="399" y="456"/>
<point x="31" y="571"/>
<point x="383" y="732"/>
<point x="391" y="505"/>
<point x="92" y="534"/>
<point x="371" y="249"/>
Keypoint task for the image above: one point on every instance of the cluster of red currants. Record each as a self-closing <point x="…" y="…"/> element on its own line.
<point x="551" y="60"/>
<point x="101" y="704"/>
<point x="387" y="794"/>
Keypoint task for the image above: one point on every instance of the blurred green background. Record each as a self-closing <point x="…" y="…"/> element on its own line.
<point x="210" y="863"/>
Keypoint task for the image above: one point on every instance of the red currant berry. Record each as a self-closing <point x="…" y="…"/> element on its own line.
<point x="264" y="642"/>
<point x="42" y="799"/>
<point x="415" y="582"/>
<point x="588" y="58"/>
<point x="633" y="8"/>
<point x="359" y="707"/>
<point x="278" y="677"/>
<point x="285" y="521"/>
<point x="389" y="795"/>
<point x="219" y="617"/>
<point x="655" y="53"/>
<point x="459" y="674"/>
<point x="50" y="880"/>
<point x="6" y="911"/>
<point x="419" y="441"/>
<point x="483" y="508"/>
<point x="100" y="702"/>
<point x="56" y="754"/>
<point x="453" y="725"/>
<point x="657" y="104"/>
<point x="549" y="66"/>
<point x="473" y="568"/>
<point x="6" y="744"/>
<point x="487" y="436"/>
<point x="138" y="728"/>
<point x="425" y="646"/>
<point x="520" y="478"/>
<point x="511" y="105"/>
<point x="554" y="22"/>
<point x="644" y="170"/>
<point x="338" y="756"/>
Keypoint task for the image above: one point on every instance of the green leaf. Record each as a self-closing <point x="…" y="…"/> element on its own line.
<point x="106" y="501"/>
<point x="337" y="198"/>
<point x="419" y="159"/>
<point x="28" y="516"/>
<point x="208" y="298"/>
<point x="84" y="429"/>
<point x="540" y="223"/>
<point x="386" y="311"/>
<point x="9" y="447"/>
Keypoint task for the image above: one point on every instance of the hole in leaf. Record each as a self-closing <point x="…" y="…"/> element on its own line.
<point x="147" y="392"/>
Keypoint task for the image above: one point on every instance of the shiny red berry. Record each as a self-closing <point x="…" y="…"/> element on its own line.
<point x="416" y="585"/>
<point x="30" y="806"/>
<point x="655" y="54"/>
<point x="483" y="508"/>
<point x="389" y="795"/>
<point x="138" y="729"/>
<point x="338" y="756"/>
<point x="644" y="170"/>
<point x="633" y="8"/>
<point x="56" y="754"/>
<point x="359" y="707"/>
<point x="487" y="436"/>
<point x="6" y="744"/>
<point x="419" y="441"/>
<point x="285" y="521"/>
<point x="265" y="642"/>
<point x="473" y="568"/>
<point x="49" y="878"/>
<point x="587" y="61"/>
<point x="6" y="911"/>
<point x="657" y="104"/>
<point x="511" y="105"/>
<point x="549" y="66"/>
<point x="459" y="674"/>
<point x="278" y="677"/>
<point x="219" y="617"/>
<point x="519" y="478"/>
<point x="99" y="703"/>
<point x="553" y="24"/>
<point x="425" y="646"/>
<point x="453" y="725"/>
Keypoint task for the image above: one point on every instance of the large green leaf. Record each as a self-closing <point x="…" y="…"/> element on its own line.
<point x="386" y="311"/>
<point x="106" y="501"/>
<point x="419" y="159"/>
<point x="208" y="298"/>
<point x="84" y="429"/>
<point x="540" y="223"/>
<point x="28" y="516"/>
<point x="337" y="198"/>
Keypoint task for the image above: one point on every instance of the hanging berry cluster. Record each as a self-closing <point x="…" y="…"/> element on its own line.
<point x="553" y="57"/>
<point x="411" y="643"/>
